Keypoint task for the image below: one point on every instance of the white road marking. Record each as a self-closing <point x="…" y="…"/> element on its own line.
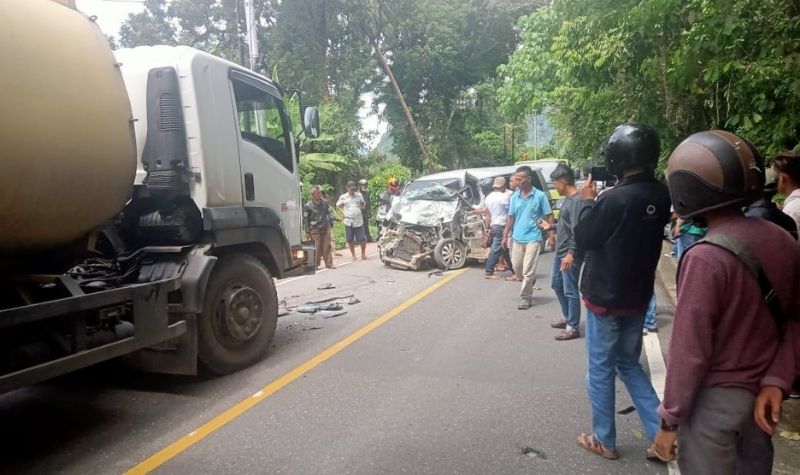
<point x="658" y="374"/>
<point x="320" y="271"/>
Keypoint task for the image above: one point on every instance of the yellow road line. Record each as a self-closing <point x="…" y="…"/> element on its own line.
<point x="195" y="436"/>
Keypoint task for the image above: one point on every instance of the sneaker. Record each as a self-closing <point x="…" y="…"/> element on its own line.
<point x="568" y="335"/>
<point x="524" y="304"/>
<point x="562" y="324"/>
<point x="651" y="329"/>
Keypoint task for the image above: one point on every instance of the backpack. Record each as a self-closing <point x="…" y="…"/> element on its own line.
<point x="751" y="263"/>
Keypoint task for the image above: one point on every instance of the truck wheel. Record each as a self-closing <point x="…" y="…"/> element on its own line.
<point x="239" y="315"/>
<point x="449" y="254"/>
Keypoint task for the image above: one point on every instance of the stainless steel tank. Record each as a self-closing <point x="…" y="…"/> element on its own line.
<point x="67" y="151"/>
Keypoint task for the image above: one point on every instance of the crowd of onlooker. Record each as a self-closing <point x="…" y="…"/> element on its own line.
<point x="354" y="209"/>
<point x="735" y="346"/>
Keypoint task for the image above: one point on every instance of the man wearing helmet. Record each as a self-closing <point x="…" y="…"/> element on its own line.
<point x="621" y="232"/>
<point x="731" y="356"/>
<point x="367" y="209"/>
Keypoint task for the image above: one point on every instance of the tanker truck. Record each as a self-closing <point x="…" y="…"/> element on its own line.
<point x="148" y="198"/>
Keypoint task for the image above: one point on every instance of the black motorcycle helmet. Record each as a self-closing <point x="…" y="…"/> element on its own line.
<point x="486" y="185"/>
<point x="711" y="170"/>
<point x="630" y="146"/>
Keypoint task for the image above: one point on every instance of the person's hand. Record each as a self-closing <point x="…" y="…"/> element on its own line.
<point x="768" y="408"/>
<point x="308" y="237"/>
<point x="545" y="225"/>
<point x="566" y="262"/>
<point x="589" y="190"/>
<point x="665" y="445"/>
<point x="504" y="242"/>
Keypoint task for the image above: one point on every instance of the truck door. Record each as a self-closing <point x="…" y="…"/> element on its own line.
<point x="269" y="170"/>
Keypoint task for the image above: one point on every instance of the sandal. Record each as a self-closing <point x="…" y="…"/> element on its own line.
<point x="588" y="442"/>
<point x="512" y="278"/>
<point x="650" y="454"/>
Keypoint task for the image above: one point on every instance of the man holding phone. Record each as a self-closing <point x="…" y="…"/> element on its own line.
<point x="622" y="232"/>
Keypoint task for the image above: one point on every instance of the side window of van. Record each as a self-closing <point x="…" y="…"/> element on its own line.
<point x="261" y="121"/>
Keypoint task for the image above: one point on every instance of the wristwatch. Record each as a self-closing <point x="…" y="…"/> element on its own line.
<point x="668" y="427"/>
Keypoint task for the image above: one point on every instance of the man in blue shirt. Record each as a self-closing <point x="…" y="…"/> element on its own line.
<point x="528" y="208"/>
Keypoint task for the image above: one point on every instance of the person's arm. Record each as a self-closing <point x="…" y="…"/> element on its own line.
<point x="597" y="221"/>
<point x="512" y="211"/>
<point x="307" y="221"/>
<point x="777" y="381"/>
<point x="692" y="343"/>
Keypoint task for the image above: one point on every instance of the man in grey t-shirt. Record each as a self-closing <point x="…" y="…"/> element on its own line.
<point x="351" y="203"/>
<point x="569" y="259"/>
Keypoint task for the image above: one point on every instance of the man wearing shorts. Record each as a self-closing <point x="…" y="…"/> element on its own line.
<point x="351" y="204"/>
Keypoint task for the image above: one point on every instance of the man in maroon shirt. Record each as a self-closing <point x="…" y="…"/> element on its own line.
<point x="726" y="346"/>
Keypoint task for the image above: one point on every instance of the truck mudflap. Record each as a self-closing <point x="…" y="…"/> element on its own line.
<point x="150" y="326"/>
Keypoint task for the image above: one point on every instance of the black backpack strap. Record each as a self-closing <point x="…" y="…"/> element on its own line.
<point x="752" y="264"/>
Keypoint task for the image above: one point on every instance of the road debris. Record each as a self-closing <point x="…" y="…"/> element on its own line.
<point x="533" y="453"/>
<point x="627" y="410"/>
<point x="337" y="314"/>
<point x="326" y="286"/>
<point x="319" y="307"/>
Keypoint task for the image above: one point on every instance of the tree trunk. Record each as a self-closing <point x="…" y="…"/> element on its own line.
<point x="409" y="118"/>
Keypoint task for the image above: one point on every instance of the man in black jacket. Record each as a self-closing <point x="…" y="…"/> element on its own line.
<point x="622" y="232"/>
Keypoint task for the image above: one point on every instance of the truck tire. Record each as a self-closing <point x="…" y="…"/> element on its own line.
<point x="450" y="254"/>
<point x="239" y="315"/>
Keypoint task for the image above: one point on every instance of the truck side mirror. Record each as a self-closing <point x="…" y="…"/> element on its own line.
<point x="311" y="122"/>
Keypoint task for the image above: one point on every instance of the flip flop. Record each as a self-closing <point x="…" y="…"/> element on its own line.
<point x="512" y="279"/>
<point x="490" y="277"/>
<point x="589" y="443"/>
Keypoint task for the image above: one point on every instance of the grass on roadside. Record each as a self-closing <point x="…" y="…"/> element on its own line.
<point x="338" y="233"/>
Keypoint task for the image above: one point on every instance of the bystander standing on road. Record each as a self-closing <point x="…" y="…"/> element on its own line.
<point x="568" y="260"/>
<point x="528" y="208"/>
<point x="731" y="356"/>
<point x="366" y="211"/>
<point x="622" y="232"/>
<point x="351" y="204"/>
<point x="388" y="198"/>
<point x="787" y="169"/>
<point x="316" y="213"/>
<point x="497" y="204"/>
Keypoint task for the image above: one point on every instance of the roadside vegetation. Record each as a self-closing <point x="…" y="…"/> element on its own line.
<point x="457" y="80"/>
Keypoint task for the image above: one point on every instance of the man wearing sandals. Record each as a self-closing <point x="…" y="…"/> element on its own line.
<point x="622" y="232"/>
<point x="730" y="361"/>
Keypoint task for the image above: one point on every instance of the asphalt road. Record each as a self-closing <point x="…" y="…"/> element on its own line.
<point x="457" y="381"/>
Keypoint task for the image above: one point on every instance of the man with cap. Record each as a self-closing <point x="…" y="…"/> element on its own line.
<point x="365" y="212"/>
<point x="731" y="356"/>
<point x="351" y="204"/>
<point x="497" y="204"/>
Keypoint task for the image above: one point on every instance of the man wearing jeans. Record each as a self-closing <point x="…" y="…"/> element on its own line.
<point x="497" y="204"/>
<point x="569" y="259"/>
<point x="622" y="232"/>
<point x="528" y="209"/>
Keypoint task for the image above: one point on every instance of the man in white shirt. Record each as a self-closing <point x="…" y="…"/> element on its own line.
<point x="497" y="203"/>
<point x="351" y="203"/>
<point x="787" y="171"/>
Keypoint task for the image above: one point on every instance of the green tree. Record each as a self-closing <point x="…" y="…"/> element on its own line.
<point x="681" y="66"/>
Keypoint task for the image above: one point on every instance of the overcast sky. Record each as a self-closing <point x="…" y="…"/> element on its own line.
<point x="112" y="13"/>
